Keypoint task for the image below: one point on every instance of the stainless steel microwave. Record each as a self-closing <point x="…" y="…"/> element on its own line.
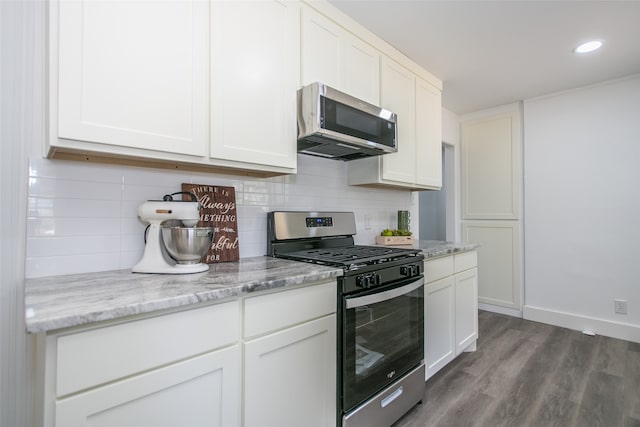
<point x="335" y="125"/>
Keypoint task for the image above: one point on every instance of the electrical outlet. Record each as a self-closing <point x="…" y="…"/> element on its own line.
<point x="620" y="306"/>
<point x="367" y="222"/>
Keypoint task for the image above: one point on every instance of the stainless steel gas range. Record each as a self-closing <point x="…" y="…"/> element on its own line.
<point x="380" y="356"/>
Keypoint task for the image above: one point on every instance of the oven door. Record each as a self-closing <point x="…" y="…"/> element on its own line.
<point x="382" y="339"/>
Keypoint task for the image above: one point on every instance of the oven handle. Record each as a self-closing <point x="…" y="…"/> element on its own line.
<point x="383" y="296"/>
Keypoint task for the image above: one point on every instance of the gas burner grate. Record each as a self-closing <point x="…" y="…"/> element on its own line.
<point x="348" y="255"/>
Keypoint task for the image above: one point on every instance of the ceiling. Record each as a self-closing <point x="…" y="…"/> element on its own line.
<point x="491" y="53"/>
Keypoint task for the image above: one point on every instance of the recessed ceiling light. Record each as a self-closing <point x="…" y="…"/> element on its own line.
<point x="588" y="47"/>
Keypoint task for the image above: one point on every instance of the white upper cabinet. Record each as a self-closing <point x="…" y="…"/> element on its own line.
<point x="322" y="50"/>
<point x="254" y="81"/>
<point x="398" y="95"/>
<point x="362" y="70"/>
<point x="181" y="84"/>
<point x="418" y="163"/>
<point x="335" y="57"/>
<point x="131" y="74"/>
<point x="343" y="54"/>
<point x="428" y="135"/>
<point x="211" y="86"/>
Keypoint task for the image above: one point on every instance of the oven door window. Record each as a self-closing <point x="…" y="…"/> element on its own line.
<point x="383" y="338"/>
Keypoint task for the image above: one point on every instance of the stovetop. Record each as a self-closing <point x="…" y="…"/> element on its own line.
<point x="350" y="255"/>
<point x="327" y="238"/>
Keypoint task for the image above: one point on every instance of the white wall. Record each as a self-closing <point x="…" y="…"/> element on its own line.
<point x="17" y="50"/>
<point x="582" y="208"/>
<point x="450" y="127"/>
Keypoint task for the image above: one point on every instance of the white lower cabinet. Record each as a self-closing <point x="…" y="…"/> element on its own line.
<point x="290" y="376"/>
<point x="439" y="324"/>
<point x="203" y="391"/>
<point x="290" y="358"/>
<point x="264" y="360"/>
<point x="466" y="290"/>
<point x="451" y="308"/>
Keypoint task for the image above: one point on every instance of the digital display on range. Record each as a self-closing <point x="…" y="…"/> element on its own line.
<point x="325" y="221"/>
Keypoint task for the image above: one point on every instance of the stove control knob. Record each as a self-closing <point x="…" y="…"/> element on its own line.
<point x="361" y="281"/>
<point x="410" y="270"/>
<point x="373" y="279"/>
<point x="415" y="270"/>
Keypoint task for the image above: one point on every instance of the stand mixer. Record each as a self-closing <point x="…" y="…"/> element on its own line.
<point x="174" y="245"/>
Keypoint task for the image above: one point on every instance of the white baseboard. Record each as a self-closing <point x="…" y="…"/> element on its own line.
<point x="609" y="328"/>
<point x="500" y="310"/>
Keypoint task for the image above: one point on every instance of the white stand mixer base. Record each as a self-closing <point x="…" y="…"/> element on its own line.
<point x="172" y="269"/>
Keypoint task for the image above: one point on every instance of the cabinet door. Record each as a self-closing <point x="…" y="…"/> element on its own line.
<point x="491" y="167"/>
<point x="398" y="95"/>
<point x="499" y="258"/>
<point x="290" y="376"/>
<point x="255" y="63"/>
<point x="466" y="290"/>
<point x="361" y="72"/>
<point x="428" y="135"/>
<point x="321" y="50"/>
<point x="131" y="74"/>
<point x="203" y="391"/>
<point x="439" y="324"/>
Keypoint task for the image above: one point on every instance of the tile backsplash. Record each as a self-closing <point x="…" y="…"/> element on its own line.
<point x="82" y="217"/>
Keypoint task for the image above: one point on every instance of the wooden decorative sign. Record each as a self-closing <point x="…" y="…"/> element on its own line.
<point x="218" y="211"/>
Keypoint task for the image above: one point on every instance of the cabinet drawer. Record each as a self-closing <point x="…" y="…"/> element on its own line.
<point x="465" y="261"/>
<point x="282" y="309"/>
<point x="438" y="268"/>
<point x="94" y="357"/>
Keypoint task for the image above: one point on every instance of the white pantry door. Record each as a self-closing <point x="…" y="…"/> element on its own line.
<point x="133" y="73"/>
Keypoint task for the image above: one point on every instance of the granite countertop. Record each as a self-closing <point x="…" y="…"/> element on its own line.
<point x="64" y="301"/>
<point x="437" y="248"/>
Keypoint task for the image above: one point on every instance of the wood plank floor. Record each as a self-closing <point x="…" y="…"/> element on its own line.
<point x="530" y="374"/>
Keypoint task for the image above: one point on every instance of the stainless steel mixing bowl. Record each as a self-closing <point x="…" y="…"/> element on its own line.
<point x="187" y="245"/>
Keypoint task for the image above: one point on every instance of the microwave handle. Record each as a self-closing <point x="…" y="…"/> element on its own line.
<point x="384" y="296"/>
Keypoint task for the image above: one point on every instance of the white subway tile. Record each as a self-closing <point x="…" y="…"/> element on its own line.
<point x="76" y="245"/>
<point x="72" y="208"/>
<point x="61" y="208"/>
<point x="73" y="189"/>
<point x="128" y="259"/>
<point x="60" y="227"/>
<point x="58" y="265"/>
<point x="164" y="178"/>
<point x="77" y="171"/>
<point x="132" y="244"/>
